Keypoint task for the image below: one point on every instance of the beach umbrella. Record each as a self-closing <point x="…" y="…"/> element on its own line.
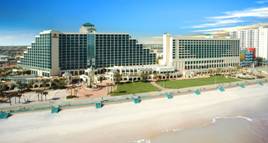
<point x="197" y="92"/>
<point x="136" y="99"/>
<point x="55" y="109"/>
<point x="242" y="85"/>
<point x="4" y="115"/>
<point x="168" y="95"/>
<point x="99" y="104"/>
<point x="221" y="89"/>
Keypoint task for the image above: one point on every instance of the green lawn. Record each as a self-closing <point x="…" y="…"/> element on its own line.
<point x="135" y="87"/>
<point x="175" y="84"/>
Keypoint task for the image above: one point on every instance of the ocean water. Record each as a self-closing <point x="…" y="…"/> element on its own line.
<point x="231" y="129"/>
<point x="247" y="124"/>
<point x="236" y="129"/>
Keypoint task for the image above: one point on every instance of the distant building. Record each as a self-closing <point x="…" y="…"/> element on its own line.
<point x="12" y="51"/>
<point x="7" y="61"/>
<point x="9" y="55"/>
<point x="247" y="56"/>
<point x="54" y="53"/>
<point x="251" y="54"/>
<point x="4" y="58"/>
<point x="253" y="36"/>
<point x="156" y="48"/>
<point x="200" y="54"/>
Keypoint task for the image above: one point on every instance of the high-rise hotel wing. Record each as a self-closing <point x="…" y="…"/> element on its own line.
<point x="53" y="52"/>
<point x="200" y="54"/>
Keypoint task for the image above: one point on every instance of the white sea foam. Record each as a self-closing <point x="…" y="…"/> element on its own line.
<point x="143" y="141"/>
<point x="237" y="117"/>
<point x="246" y="118"/>
<point x="171" y="130"/>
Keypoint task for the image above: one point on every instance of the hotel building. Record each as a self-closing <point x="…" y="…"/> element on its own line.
<point x="54" y="53"/>
<point x="199" y="54"/>
<point x="253" y="36"/>
<point x="157" y="49"/>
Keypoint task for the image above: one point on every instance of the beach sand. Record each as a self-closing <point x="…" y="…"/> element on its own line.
<point x="211" y="117"/>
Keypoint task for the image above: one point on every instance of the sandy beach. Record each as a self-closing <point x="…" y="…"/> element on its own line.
<point x="150" y="121"/>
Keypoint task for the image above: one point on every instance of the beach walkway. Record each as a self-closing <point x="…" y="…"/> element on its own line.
<point x="158" y="86"/>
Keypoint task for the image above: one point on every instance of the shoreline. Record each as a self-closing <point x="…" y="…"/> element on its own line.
<point x="128" y="122"/>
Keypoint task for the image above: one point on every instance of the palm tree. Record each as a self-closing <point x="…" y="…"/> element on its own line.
<point x="21" y="86"/>
<point x="30" y="84"/>
<point x="45" y="93"/>
<point x="167" y="76"/>
<point x="117" y="77"/>
<point x="73" y="89"/>
<point x="210" y="71"/>
<point x="17" y="94"/>
<point x="46" y="83"/>
<point x="144" y="75"/>
<point x="101" y="78"/>
<point x="155" y="77"/>
<point x="229" y="69"/>
<point x="39" y="92"/>
<point x="159" y="77"/>
<point x="218" y="71"/>
<point x="2" y="88"/>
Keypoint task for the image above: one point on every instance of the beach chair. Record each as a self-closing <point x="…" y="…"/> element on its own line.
<point x="197" y="92"/>
<point x="55" y="109"/>
<point x="4" y="115"/>
<point x="221" y="89"/>
<point x="136" y="99"/>
<point x="168" y="95"/>
<point x="99" y="104"/>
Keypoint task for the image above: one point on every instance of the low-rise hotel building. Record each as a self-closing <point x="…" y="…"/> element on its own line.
<point x="134" y="73"/>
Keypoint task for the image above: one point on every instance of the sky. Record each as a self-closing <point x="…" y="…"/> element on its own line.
<point x="21" y="20"/>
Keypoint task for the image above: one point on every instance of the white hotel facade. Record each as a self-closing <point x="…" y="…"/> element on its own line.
<point x="199" y="54"/>
<point x="254" y="36"/>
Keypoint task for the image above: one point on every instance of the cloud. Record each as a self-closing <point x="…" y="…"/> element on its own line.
<point x="233" y="18"/>
<point x="262" y="1"/>
<point x="253" y="12"/>
<point x="151" y="40"/>
<point x="213" y="30"/>
<point x="218" y="23"/>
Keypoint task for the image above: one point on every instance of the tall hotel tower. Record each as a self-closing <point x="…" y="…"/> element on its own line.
<point x="54" y="53"/>
<point x="253" y="36"/>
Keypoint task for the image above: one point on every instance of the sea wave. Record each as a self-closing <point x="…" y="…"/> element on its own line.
<point x="235" y="117"/>
<point x="142" y="141"/>
<point x="171" y="130"/>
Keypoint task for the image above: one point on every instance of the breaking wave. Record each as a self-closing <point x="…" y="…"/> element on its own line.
<point x="236" y="117"/>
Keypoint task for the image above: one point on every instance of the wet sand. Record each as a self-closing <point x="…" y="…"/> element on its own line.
<point x="231" y="130"/>
<point x="211" y="117"/>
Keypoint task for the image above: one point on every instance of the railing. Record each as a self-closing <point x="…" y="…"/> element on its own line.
<point x="71" y="103"/>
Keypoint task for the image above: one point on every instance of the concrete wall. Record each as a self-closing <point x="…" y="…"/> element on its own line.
<point x="55" y="68"/>
<point x="167" y="50"/>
